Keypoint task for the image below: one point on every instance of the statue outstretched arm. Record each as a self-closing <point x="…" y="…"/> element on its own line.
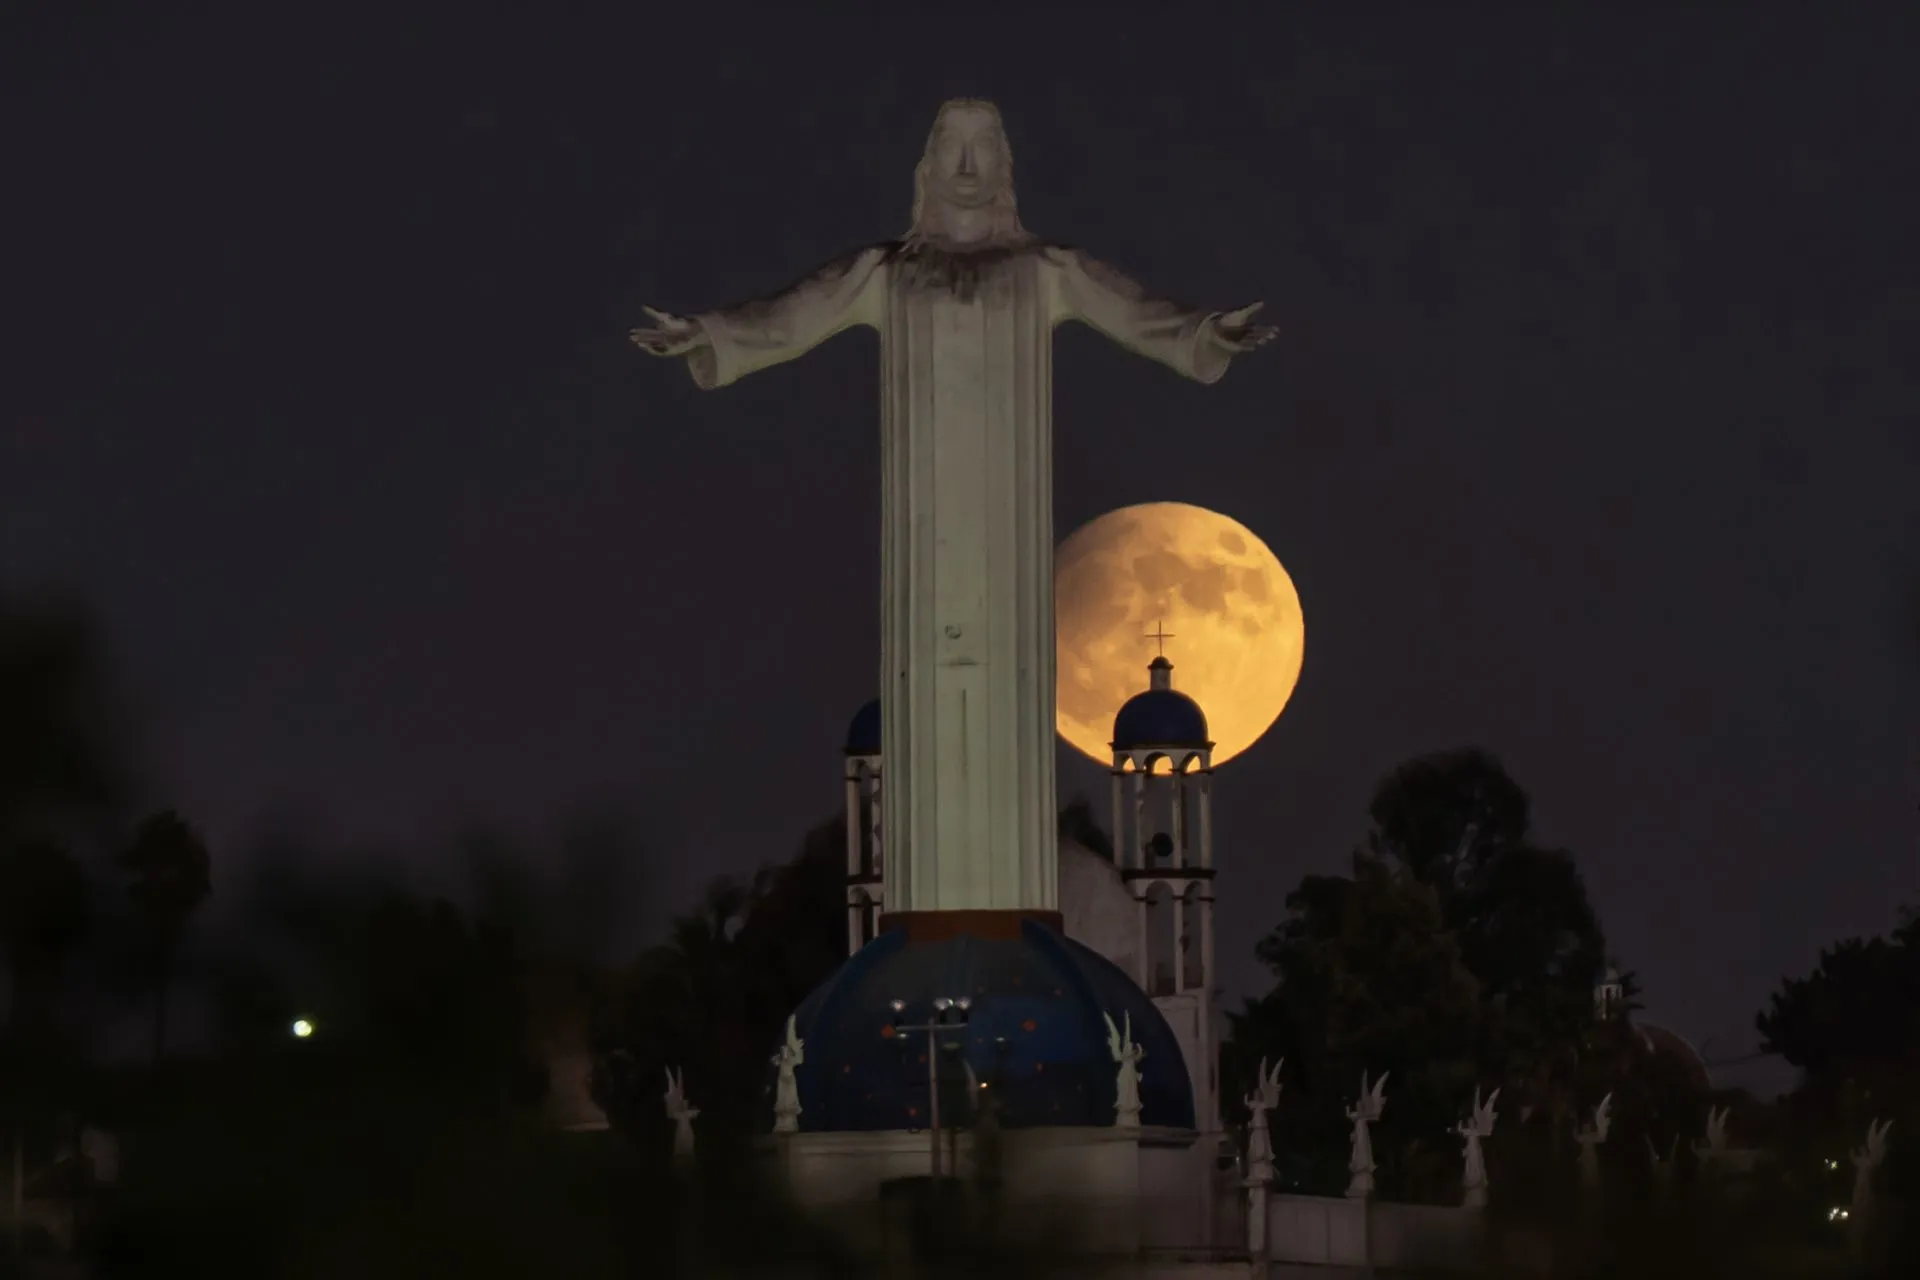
<point x="724" y="346"/>
<point x="1198" y="344"/>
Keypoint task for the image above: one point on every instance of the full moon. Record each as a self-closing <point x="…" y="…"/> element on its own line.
<point x="1234" y="631"/>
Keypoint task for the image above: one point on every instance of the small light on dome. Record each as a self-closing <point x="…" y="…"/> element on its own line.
<point x="302" y="1028"/>
<point x="965" y="1003"/>
<point x="1836" y="1215"/>
<point x="942" y="1004"/>
<point x="897" y="1006"/>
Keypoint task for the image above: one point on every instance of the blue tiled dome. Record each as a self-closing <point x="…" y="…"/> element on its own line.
<point x="1159" y="718"/>
<point x="1035" y="1034"/>
<point x="863" y="734"/>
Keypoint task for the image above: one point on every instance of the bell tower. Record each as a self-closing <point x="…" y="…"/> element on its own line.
<point x="866" y="868"/>
<point x="1162" y="775"/>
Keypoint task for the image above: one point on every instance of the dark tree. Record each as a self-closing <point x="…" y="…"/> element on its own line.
<point x="1367" y="978"/>
<point x="712" y="999"/>
<point x="1446" y="816"/>
<point x="1459" y="951"/>
<point x="59" y="731"/>
<point x="1526" y="930"/>
<point x="169" y="874"/>
<point x="1853" y="1028"/>
<point x="1857" y="1014"/>
<point x="44" y="914"/>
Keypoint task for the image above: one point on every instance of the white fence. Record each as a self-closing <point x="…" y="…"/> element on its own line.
<point x="1332" y="1231"/>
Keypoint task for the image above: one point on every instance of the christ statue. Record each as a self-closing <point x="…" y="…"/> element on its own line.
<point x="965" y="304"/>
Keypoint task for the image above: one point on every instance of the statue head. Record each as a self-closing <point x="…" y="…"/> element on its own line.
<point x="963" y="187"/>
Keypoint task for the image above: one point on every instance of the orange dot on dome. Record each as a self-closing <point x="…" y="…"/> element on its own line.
<point x="1028" y="1025"/>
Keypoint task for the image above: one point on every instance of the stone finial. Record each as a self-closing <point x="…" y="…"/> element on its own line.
<point x="681" y="1113"/>
<point x="1476" y="1127"/>
<point x="1264" y="1098"/>
<point x="786" y="1097"/>
<point x="1365" y="1111"/>
<point x="1712" y="1150"/>
<point x="1866" y="1159"/>
<point x="1590" y="1140"/>
<point x="1126" y="1105"/>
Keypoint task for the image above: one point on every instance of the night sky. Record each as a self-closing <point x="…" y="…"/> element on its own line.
<point x="1591" y="437"/>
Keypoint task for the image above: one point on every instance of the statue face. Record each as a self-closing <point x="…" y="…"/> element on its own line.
<point x="968" y="156"/>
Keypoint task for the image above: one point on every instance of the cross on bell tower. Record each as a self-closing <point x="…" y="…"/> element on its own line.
<point x="1160" y="635"/>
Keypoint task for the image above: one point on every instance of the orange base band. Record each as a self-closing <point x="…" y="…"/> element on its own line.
<point x="938" y="926"/>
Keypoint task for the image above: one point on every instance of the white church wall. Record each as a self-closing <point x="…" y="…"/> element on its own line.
<point x="1174" y="1209"/>
<point x="1426" y="1237"/>
<point x="1320" y="1229"/>
<point x="1074" y="1181"/>
<point x="1096" y="909"/>
<point x="1183" y="1013"/>
<point x="828" y="1170"/>
<point x="1329" y="1230"/>
<point x="1082" y="1184"/>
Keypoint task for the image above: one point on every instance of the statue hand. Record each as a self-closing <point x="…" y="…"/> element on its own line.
<point x="1236" y="332"/>
<point x="671" y="335"/>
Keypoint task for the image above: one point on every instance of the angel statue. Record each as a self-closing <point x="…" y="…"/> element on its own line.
<point x="1590" y="1139"/>
<point x="1264" y="1098"/>
<point x="1365" y="1111"/>
<point x="1865" y="1160"/>
<point x="1712" y="1152"/>
<point x="1477" y="1126"/>
<point x="1126" y="1105"/>
<point x="680" y="1113"/>
<point x="786" y="1096"/>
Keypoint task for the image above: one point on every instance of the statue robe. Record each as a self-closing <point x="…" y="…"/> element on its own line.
<point x="968" y="813"/>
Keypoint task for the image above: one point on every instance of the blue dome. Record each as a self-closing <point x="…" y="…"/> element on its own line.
<point x="1035" y="1034"/>
<point x="863" y="734"/>
<point x="1159" y="718"/>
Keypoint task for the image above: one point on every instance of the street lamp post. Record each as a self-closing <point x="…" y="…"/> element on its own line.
<point x="948" y="1015"/>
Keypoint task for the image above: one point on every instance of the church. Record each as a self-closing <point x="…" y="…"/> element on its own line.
<point x="1021" y="1041"/>
<point x="1064" y="1060"/>
<point x="1061" y="1072"/>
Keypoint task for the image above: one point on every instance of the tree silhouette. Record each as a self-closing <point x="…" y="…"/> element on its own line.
<point x="1526" y="930"/>
<point x="58" y="750"/>
<point x="1366" y="978"/>
<point x="169" y="877"/>
<point x="1853" y="1028"/>
<point x="44" y="914"/>
<point x="1459" y="951"/>
<point x="713" y="998"/>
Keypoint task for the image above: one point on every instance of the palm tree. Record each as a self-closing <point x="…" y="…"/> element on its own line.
<point x="169" y="867"/>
